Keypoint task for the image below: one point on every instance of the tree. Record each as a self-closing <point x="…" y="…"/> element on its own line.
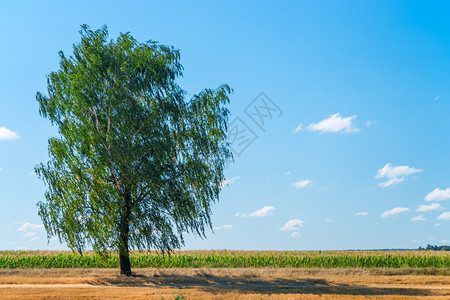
<point x="135" y="165"/>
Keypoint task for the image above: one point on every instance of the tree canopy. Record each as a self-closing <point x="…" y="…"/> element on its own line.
<point x="135" y="165"/>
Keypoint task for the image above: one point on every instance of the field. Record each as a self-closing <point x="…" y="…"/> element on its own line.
<point x="233" y="259"/>
<point x="228" y="275"/>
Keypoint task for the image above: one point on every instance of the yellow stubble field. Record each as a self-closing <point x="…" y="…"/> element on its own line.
<point x="222" y="283"/>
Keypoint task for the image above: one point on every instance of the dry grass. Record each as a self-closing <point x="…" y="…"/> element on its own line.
<point x="230" y="272"/>
<point x="219" y="284"/>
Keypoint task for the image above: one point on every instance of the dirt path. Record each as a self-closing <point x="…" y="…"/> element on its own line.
<point x="219" y="284"/>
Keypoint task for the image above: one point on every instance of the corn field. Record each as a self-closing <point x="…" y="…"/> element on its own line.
<point x="231" y="259"/>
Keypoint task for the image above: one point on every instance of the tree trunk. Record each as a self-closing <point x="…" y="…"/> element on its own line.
<point x="125" y="265"/>
<point x="124" y="253"/>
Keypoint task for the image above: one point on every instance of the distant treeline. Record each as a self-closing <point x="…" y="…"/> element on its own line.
<point x="436" y="248"/>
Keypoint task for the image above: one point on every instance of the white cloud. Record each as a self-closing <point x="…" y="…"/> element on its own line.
<point x="418" y="218"/>
<point x="294" y="235"/>
<point x="6" y="134"/>
<point x="334" y="123"/>
<point x="29" y="226"/>
<point x="1" y="169"/>
<point x="237" y="214"/>
<point x="445" y="242"/>
<point x="438" y="195"/>
<point x="437" y="225"/>
<point x="328" y="220"/>
<point x="362" y="213"/>
<point x="29" y="234"/>
<point x="394" y="174"/>
<point x="223" y="227"/>
<point x="437" y="98"/>
<point x="370" y="123"/>
<point x="431" y="207"/>
<point x="229" y="181"/>
<point x="287" y="173"/>
<point x="444" y="216"/>
<point x="301" y="184"/>
<point x="394" y="211"/>
<point x="391" y="182"/>
<point x="293" y="225"/>
<point x="263" y="212"/>
<point x="299" y="127"/>
<point x="29" y="230"/>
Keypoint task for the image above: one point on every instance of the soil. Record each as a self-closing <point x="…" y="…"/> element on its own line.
<point x="265" y="283"/>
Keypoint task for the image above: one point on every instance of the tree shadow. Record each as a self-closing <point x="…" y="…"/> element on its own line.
<point x="253" y="284"/>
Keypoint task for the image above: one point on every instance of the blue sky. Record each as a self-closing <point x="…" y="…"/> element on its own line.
<point x="347" y="147"/>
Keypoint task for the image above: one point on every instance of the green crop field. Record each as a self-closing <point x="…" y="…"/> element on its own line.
<point x="232" y="259"/>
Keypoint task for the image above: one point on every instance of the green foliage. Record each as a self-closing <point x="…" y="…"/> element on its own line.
<point x="135" y="165"/>
<point x="230" y="260"/>
<point x="180" y="297"/>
